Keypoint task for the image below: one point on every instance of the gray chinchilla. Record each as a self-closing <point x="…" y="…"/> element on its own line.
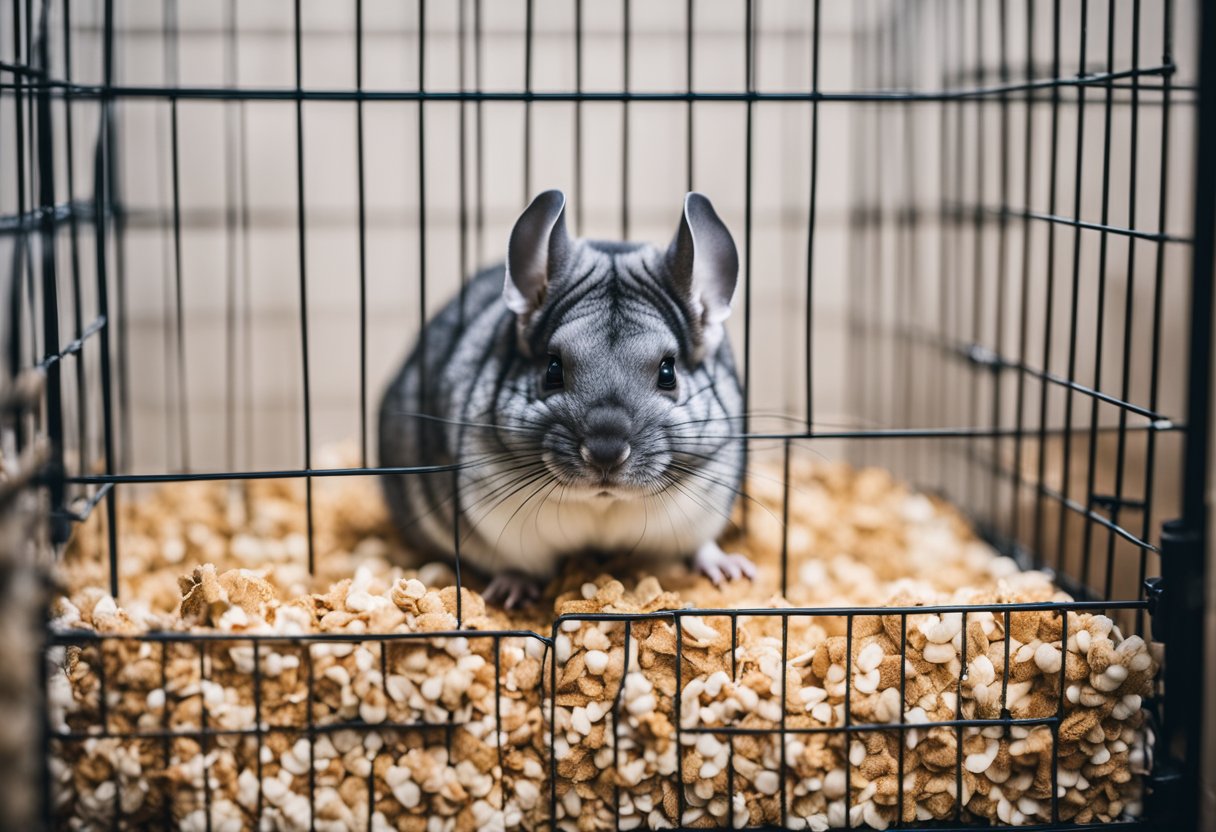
<point x="584" y="400"/>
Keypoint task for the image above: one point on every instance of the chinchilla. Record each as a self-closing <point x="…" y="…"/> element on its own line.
<point x="580" y="398"/>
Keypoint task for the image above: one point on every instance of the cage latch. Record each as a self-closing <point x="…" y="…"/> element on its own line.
<point x="1154" y="592"/>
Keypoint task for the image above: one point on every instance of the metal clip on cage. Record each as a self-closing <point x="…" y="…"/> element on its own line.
<point x="1022" y="236"/>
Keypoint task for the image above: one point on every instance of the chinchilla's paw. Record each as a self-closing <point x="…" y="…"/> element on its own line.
<point x="718" y="566"/>
<point x="511" y="590"/>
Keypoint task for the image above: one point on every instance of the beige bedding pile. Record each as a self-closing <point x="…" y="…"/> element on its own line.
<point x="231" y="561"/>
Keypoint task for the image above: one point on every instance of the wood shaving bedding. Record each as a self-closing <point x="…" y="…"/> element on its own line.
<point x="210" y="557"/>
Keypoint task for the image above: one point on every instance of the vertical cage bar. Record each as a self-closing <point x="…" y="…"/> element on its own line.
<point x="848" y="722"/>
<point x="22" y="256"/>
<point x="750" y="70"/>
<point x="82" y="408"/>
<point x="958" y="715"/>
<point x="310" y="717"/>
<point x="462" y="208"/>
<point x="1129" y="308"/>
<point x="580" y="221"/>
<point x="302" y="249"/>
<point x="625" y="77"/>
<point x="785" y="519"/>
<point x="101" y="196"/>
<point x="974" y="500"/>
<point x="361" y="182"/>
<point x="688" y="77"/>
<point x="812" y="213"/>
<point x="1074" y="307"/>
<point x="247" y="271"/>
<point x="1183" y="568"/>
<point x="616" y="726"/>
<point x="172" y="63"/>
<point x="230" y="245"/>
<point x="1049" y="293"/>
<point x="1150" y="456"/>
<point x="528" y="37"/>
<point x="422" y="206"/>
<point x="908" y="213"/>
<point x="903" y="709"/>
<point x="498" y="732"/>
<point x="782" y="736"/>
<point x="677" y="706"/>
<point x="257" y="721"/>
<point x="1002" y="270"/>
<point x="479" y="215"/>
<point x="1055" y="737"/>
<point x="551" y="657"/>
<point x="1103" y="244"/>
<point x="940" y="379"/>
<point x="167" y="741"/>
<point x="60" y="526"/>
<point x="956" y="276"/>
<point x="1024" y="302"/>
<point x="203" y="731"/>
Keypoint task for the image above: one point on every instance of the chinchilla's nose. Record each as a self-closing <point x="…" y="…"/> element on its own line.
<point x="606" y="444"/>
<point x="605" y="452"/>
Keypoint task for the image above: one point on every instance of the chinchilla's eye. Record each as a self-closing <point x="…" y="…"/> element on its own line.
<point x="667" y="374"/>
<point x="554" y="380"/>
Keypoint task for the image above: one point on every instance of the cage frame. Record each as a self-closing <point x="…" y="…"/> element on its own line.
<point x="1173" y="600"/>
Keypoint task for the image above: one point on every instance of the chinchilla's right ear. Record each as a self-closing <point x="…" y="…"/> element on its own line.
<point x="704" y="266"/>
<point x="538" y="251"/>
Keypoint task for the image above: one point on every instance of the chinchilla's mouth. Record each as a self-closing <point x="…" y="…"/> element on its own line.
<point x="601" y="491"/>
<point x="582" y="484"/>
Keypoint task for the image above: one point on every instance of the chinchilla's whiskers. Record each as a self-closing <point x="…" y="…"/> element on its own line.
<point x="718" y="441"/>
<point x="476" y="513"/>
<point x="714" y="460"/>
<point x="540" y="507"/>
<point x="728" y="469"/>
<point x="667" y="500"/>
<point x="550" y="483"/>
<point x="561" y="515"/>
<point x="524" y="454"/>
<point x="645" y="526"/>
<point x="501" y="486"/>
<point x="697" y="473"/>
<point x="451" y="495"/>
<point x="766" y="414"/>
<point x="536" y="510"/>
<point x="503" y="491"/>
<point x="526" y="426"/>
<point x="472" y="524"/>
<point x="686" y="489"/>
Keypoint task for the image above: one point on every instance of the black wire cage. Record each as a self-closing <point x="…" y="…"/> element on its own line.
<point x="976" y="249"/>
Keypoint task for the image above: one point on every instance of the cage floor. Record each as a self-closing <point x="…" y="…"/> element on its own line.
<point x="782" y="717"/>
<point x="855" y="537"/>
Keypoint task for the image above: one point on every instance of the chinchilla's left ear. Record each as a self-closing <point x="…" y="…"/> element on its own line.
<point x="704" y="267"/>
<point x="537" y="252"/>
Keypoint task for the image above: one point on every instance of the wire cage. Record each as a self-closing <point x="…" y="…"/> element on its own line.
<point x="976" y="249"/>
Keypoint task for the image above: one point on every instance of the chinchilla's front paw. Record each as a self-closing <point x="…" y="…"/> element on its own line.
<point x="511" y="590"/>
<point x="718" y="566"/>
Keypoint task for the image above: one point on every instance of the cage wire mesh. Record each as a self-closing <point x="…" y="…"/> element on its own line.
<point x="966" y="230"/>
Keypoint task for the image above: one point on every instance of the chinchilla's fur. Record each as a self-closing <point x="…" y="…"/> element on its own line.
<point x="556" y="425"/>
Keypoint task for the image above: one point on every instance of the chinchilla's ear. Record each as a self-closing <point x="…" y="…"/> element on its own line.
<point x="538" y="251"/>
<point x="704" y="266"/>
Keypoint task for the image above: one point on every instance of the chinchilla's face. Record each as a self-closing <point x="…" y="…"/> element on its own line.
<point x="623" y="362"/>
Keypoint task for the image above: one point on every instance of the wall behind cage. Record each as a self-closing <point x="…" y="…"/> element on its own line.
<point x="237" y="193"/>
